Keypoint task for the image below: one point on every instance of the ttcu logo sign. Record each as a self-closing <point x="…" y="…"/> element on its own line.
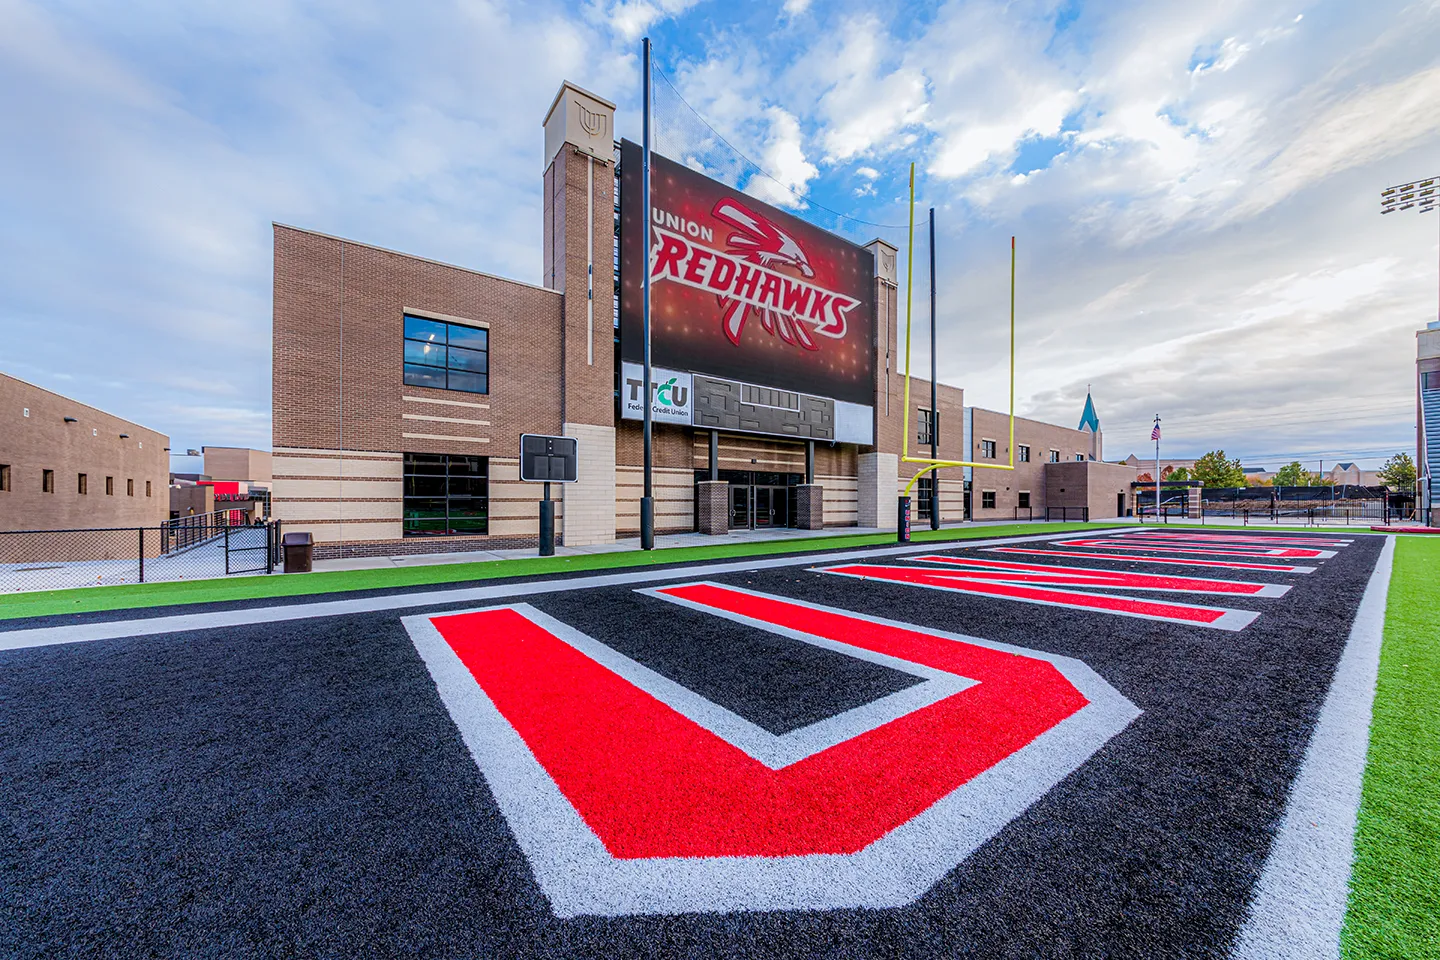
<point x="670" y="394"/>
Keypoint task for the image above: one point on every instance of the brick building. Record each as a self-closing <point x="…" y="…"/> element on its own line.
<point x="1055" y="467"/>
<point x="65" y="465"/>
<point x="402" y="386"/>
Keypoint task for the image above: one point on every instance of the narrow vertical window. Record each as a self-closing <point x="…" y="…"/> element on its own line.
<point x="83" y="483"/>
<point x="47" y="481"/>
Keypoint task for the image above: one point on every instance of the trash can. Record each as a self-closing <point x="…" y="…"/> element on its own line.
<point x="299" y="549"/>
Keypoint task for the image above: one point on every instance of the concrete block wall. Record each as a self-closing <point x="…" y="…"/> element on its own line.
<point x="590" y="501"/>
<point x="878" y="489"/>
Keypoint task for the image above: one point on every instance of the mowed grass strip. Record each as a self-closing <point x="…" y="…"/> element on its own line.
<point x="1394" y="907"/>
<point x="132" y="596"/>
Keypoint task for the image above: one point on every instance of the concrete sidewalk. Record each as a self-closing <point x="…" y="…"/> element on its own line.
<point x="662" y="541"/>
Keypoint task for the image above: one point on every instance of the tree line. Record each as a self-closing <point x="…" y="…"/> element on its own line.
<point x="1214" y="469"/>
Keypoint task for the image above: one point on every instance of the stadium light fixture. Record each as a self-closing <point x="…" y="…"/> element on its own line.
<point x="1422" y="196"/>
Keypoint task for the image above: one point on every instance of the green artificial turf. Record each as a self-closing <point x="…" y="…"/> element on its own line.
<point x="1394" y="907"/>
<point x="130" y="596"/>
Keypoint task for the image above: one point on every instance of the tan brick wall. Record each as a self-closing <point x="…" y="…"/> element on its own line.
<point x="92" y="445"/>
<point x="1041" y="438"/>
<point x="238" y="463"/>
<point x="578" y="184"/>
<point x="1092" y="484"/>
<point x="337" y="392"/>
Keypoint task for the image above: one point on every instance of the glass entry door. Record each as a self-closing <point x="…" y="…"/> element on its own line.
<point x="770" y="507"/>
<point x="757" y="499"/>
<point x="739" y="507"/>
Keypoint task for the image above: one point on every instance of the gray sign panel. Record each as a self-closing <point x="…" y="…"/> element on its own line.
<point x="727" y="405"/>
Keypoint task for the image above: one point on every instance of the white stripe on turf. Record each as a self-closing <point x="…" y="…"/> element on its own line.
<point x="115" y="629"/>
<point x="1299" y="901"/>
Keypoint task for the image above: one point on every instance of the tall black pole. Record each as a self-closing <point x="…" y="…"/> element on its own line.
<point x="934" y="392"/>
<point x="647" y="502"/>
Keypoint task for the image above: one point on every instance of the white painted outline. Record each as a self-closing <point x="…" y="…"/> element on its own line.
<point x="580" y="877"/>
<point x="1258" y="567"/>
<point x="1289" y="540"/>
<point x="1298" y="905"/>
<point x="775" y="751"/>
<point x="982" y="565"/>
<point x="1230" y="620"/>
<point x="1217" y="550"/>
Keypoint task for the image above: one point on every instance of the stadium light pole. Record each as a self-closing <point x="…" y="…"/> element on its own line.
<point x="934" y="392"/>
<point x="1419" y="195"/>
<point x="647" y="500"/>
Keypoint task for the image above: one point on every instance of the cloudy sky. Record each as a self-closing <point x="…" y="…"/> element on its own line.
<point x="1194" y="186"/>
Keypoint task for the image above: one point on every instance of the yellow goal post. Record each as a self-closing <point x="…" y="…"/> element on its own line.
<point x="931" y="464"/>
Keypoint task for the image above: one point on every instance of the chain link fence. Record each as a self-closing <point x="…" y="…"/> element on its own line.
<point x="192" y="548"/>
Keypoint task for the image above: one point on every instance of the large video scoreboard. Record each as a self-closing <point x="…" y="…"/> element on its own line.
<point x="759" y="321"/>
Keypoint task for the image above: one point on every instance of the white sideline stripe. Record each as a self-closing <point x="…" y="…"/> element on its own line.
<point x="1300" y="899"/>
<point x="144" y="627"/>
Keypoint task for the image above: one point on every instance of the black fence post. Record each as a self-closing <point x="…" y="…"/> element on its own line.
<point x="227" y="549"/>
<point x="142" y="554"/>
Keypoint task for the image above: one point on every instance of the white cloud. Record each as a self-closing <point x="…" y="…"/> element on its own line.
<point x="631" y="18"/>
<point x="784" y="160"/>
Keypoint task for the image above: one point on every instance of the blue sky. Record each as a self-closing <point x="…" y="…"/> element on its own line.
<point x="1194" y="186"/>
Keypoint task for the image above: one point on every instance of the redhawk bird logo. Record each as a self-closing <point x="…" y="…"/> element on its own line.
<point x="760" y="241"/>
<point x="747" y="278"/>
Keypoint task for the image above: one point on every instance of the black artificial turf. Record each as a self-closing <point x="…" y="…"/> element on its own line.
<point x="298" y="788"/>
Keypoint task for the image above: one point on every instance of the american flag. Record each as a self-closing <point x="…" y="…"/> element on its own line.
<point x="1155" y="434"/>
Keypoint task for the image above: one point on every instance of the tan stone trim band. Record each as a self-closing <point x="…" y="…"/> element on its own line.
<point x="438" y="436"/>
<point x="448" y="403"/>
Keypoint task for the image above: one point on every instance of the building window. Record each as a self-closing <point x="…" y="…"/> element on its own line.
<point x="4" y="478"/>
<point x="987" y="449"/>
<point x="924" y="487"/>
<point x="1022" y="453"/>
<point x="987" y="499"/>
<point x="447" y="356"/>
<point x="83" y="483"/>
<point x="1080" y="456"/>
<point x="446" y="494"/>
<point x="129" y="488"/>
<point x="926" y="426"/>
<point x="1024" y="499"/>
<point x="147" y="488"/>
<point x="109" y="486"/>
<point x="1054" y="456"/>
<point x="47" y="481"/>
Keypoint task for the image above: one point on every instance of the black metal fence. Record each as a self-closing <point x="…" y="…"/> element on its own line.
<point x="1064" y="514"/>
<point x="1341" y="504"/>
<point x="198" y="548"/>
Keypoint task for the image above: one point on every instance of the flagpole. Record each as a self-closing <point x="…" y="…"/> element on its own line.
<point x="1157" y="468"/>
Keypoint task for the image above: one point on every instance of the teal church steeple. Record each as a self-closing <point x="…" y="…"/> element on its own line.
<point x="1088" y="419"/>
